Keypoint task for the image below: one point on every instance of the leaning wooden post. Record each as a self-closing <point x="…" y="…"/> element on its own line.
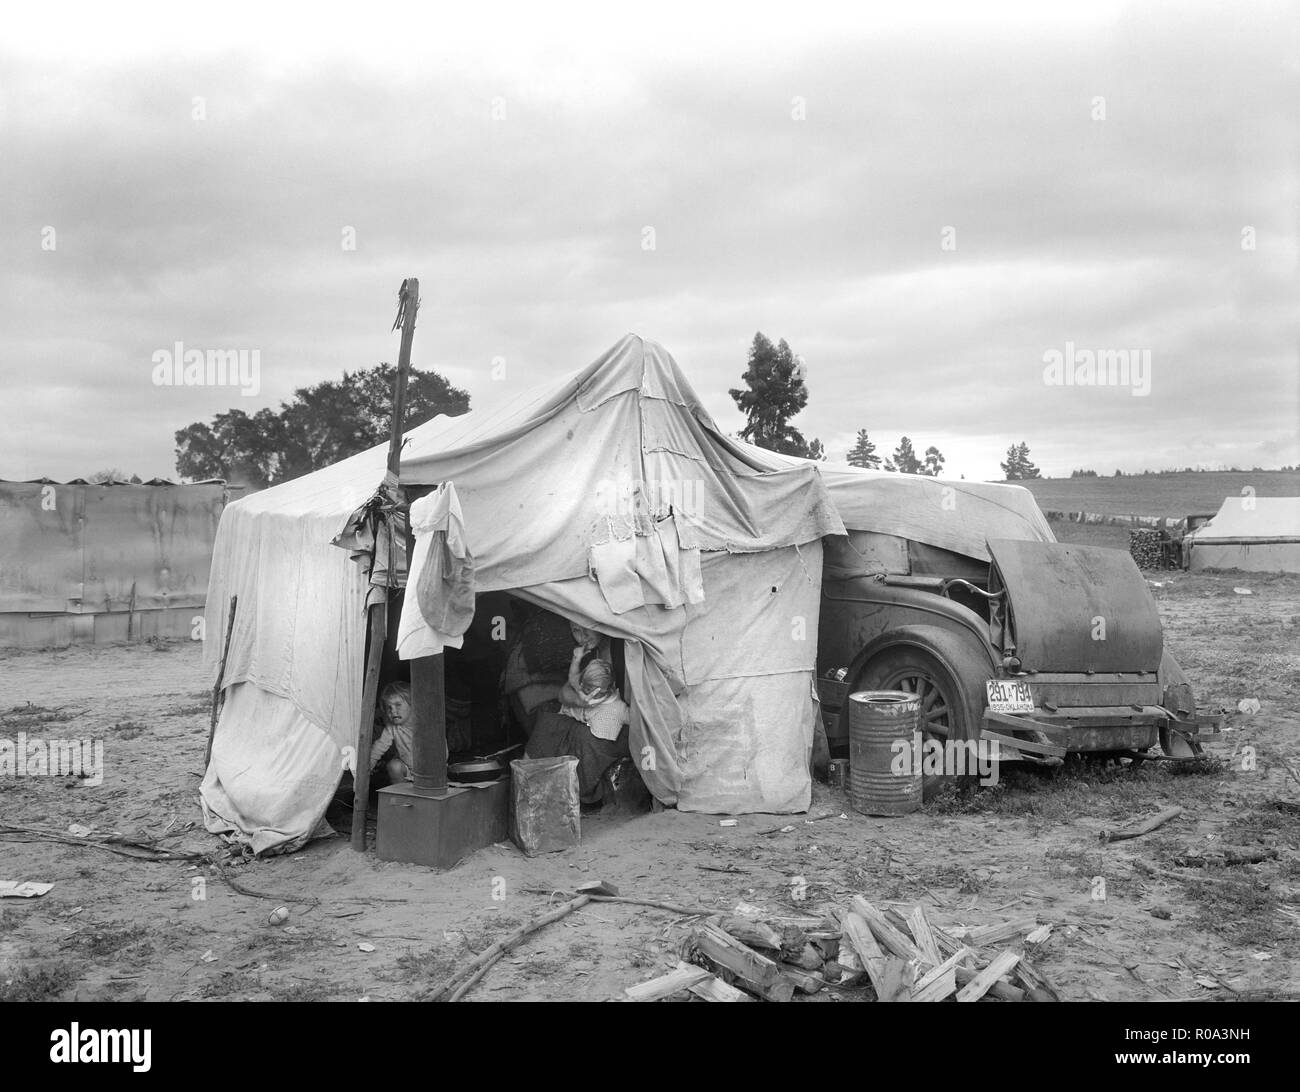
<point x="377" y="632"/>
<point x="221" y="678"/>
<point x="408" y="302"/>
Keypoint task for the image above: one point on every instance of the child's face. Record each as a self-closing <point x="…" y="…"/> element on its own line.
<point x="397" y="709"/>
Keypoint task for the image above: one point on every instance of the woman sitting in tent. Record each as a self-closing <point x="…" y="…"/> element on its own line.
<point x="590" y="719"/>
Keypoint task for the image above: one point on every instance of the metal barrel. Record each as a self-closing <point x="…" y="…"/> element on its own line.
<point x="883" y="778"/>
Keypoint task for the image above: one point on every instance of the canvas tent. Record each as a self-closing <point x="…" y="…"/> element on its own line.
<point x="1257" y="534"/>
<point x="611" y="499"/>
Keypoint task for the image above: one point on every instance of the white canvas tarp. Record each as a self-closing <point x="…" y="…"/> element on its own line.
<point x="1256" y="534"/>
<point x="611" y="499"/>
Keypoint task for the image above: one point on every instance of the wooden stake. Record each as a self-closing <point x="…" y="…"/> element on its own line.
<point x="221" y="675"/>
<point x="454" y="988"/>
<point x="377" y="632"/>
<point x="1141" y="828"/>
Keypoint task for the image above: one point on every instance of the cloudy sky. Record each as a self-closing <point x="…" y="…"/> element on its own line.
<point x="926" y="204"/>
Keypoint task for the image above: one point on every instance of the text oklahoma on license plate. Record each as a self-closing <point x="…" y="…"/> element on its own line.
<point x="1006" y="696"/>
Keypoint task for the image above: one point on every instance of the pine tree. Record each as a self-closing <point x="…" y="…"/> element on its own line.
<point x="1027" y="469"/>
<point x="904" y="460"/>
<point x="933" y="462"/>
<point x="775" y="393"/>
<point x="816" y="452"/>
<point x="1011" y="468"/>
<point x="864" y="453"/>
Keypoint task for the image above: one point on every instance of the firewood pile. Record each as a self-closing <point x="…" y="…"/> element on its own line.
<point x="1145" y="546"/>
<point x="859" y="952"/>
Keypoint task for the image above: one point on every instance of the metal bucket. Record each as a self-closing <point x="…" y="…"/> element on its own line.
<point x="878" y="721"/>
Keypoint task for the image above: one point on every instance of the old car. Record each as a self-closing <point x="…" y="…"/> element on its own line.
<point x="959" y="593"/>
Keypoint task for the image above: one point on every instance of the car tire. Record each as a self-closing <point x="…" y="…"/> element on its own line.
<point x="948" y="673"/>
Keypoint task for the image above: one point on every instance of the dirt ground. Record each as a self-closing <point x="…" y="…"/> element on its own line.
<point x="113" y="928"/>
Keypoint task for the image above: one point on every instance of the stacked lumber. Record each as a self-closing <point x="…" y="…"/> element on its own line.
<point x="892" y="955"/>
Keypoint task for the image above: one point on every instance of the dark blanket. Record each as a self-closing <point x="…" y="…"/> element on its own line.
<point x="554" y="734"/>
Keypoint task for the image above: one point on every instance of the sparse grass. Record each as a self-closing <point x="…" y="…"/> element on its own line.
<point x="1239" y="909"/>
<point x="41" y="983"/>
<point x="188" y="710"/>
<point x="29" y="715"/>
<point x="126" y="729"/>
<point x="110" y="939"/>
<point x="314" y="989"/>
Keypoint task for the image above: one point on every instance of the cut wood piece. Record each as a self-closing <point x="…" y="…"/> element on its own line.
<point x="920" y="927"/>
<point x="1003" y="991"/>
<point x="946" y="941"/>
<point x="793" y="942"/>
<point x="1136" y="831"/>
<point x="950" y="964"/>
<point x="861" y="941"/>
<point x="753" y="971"/>
<point x="984" y="981"/>
<point x="829" y="947"/>
<point x="804" y="981"/>
<point x="1036" y="984"/>
<point x="756" y="934"/>
<point x="808" y="959"/>
<point x="597" y="887"/>
<point x="942" y="985"/>
<point x="898" y="979"/>
<point x="1040" y="934"/>
<point x="714" y="989"/>
<point x="683" y="977"/>
<point x="999" y="932"/>
<point x="890" y="938"/>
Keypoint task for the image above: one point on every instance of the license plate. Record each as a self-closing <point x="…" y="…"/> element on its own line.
<point x="1006" y="696"/>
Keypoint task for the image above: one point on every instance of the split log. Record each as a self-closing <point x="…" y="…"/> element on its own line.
<point x="683" y="977"/>
<point x="890" y="938"/>
<point x="1140" y="829"/>
<point x="920" y="927"/>
<point x="931" y="985"/>
<point x="988" y="977"/>
<point x="714" y="989"/>
<point x="863" y="943"/>
<point x="1003" y="991"/>
<point x="939" y="987"/>
<point x="1036" y="984"/>
<point x="804" y="981"/>
<point x="756" y="934"/>
<point x="997" y="933"/>
<point x="753" y="971"/>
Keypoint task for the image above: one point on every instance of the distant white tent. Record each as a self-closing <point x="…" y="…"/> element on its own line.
<point x="1257" y="534"/>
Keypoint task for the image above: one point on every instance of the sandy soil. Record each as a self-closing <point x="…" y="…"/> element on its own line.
<point x="120" y="929"/>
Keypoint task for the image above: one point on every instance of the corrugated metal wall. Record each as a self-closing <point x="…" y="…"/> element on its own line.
<point x="122" y="553"/>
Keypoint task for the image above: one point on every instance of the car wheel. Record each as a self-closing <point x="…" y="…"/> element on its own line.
<point x="949" y="685"/>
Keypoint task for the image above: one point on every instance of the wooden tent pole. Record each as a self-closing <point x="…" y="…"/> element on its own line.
<point x="408" y="302"/>
<point x="378" y="631"/>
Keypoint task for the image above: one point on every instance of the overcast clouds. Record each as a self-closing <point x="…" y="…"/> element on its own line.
<point x="527" y="232"/>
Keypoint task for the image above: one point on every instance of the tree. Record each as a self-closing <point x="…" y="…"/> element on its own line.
<point x="864" y="453"/>
<point x="113" y="474"/>
<point x="816" y="452"/>
<point x="933" y="462"/>
<point x="904" y="460"/>
<point x="775" y="393"/>
<point x="1018" y="466"/>
<point x="320" y="426"/>
<point x="1028" y="470"/>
